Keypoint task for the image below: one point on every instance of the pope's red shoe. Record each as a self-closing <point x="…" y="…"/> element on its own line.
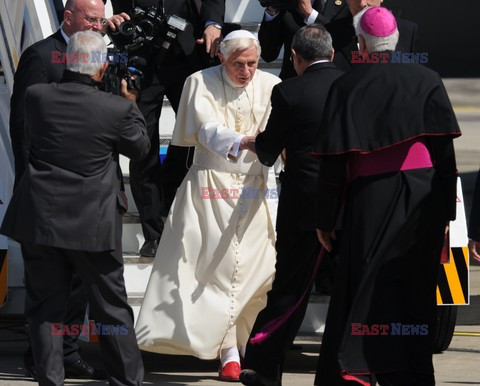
<point x="230" y="372"/>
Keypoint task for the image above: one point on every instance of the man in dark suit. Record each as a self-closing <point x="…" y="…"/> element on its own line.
<point x="297" y="105"/>
<point x="66" y="212"/>
<point x="152" y="188"/>
<point x="277" y="29"/>
<point x="43" y="62"/>
<point x="279" y="26"/>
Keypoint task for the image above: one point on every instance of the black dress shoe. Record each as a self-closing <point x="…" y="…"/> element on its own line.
<point x="149" y="248"/>
<point x="252" y="378"/>
<point x="82" y="370"/>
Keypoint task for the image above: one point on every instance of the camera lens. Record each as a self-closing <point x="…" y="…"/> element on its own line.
<point x="127" y="28"/>
<point x="147" y="27"/>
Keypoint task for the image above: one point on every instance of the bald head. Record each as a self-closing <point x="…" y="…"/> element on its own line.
<point x="82" y="15"/>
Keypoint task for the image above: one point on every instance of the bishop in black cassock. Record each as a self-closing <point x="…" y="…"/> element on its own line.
<point x="388" y="157"/>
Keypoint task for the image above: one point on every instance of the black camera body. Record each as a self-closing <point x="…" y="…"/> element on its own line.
<point x="280" y="4"/>
<point x="147" y="27"/>
<point x="121" y="66"/>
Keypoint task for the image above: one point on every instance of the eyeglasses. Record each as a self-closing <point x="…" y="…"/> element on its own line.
<point x="95" y="20"/>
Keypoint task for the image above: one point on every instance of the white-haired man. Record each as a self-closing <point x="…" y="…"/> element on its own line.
<point x="390" y="129"/>
<point x="66" y="211"/>
<point x="44" y="62"/>
<point x="216" y="258"/>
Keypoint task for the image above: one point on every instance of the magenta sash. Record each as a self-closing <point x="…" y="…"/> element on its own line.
<point x="409" y="155"/>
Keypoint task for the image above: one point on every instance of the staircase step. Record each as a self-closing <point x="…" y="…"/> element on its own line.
<point x="135" y="258"/>
<point x="253" y="27"/>
<point x="135" y="299"/>
<point x="136" y="304"/>
<point x="131" y="218"/>
<point x="315" y="316"/>
<point x="136" y="277"/>
<point x="132" y="237"/>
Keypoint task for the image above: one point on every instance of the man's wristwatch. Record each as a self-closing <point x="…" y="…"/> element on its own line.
<point x="216" y="25"/>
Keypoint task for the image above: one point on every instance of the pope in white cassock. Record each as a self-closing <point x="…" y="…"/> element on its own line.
<point x="216" y="258"/>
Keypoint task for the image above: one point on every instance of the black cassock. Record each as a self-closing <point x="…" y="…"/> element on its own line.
<point x="393" y="222"/>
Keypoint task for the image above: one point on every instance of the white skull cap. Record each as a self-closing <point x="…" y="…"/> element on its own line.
<point x="239" y="34"/>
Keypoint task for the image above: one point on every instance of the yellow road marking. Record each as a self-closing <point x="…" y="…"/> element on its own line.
<point x="465" y="333"/>
<point x="466" y="109"/>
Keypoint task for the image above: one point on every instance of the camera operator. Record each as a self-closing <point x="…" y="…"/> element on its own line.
<point x="67" y="212"/>
<point x="283" y="19"/>
<point x="44" y="62"/>
<point x="154" y="188"/>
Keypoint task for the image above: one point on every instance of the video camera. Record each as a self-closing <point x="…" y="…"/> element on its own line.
<point x="121" y="66"/>
<point x="280" y="4"/>
<point x="147" y="27"/>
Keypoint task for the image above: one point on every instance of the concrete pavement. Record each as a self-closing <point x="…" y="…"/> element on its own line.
<point x="456" y="366"/>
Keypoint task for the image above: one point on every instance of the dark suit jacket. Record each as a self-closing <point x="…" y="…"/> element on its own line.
<point x="69" y="195"/>
<point x="279" y="32"/>
<point x="297" y="110"/>
<point x="35" y="66"/>
<point x="211" y="10"/>
<point x="345" y="41"/>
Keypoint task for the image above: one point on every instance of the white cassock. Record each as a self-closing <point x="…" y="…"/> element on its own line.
<point x="216" y="258"/>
